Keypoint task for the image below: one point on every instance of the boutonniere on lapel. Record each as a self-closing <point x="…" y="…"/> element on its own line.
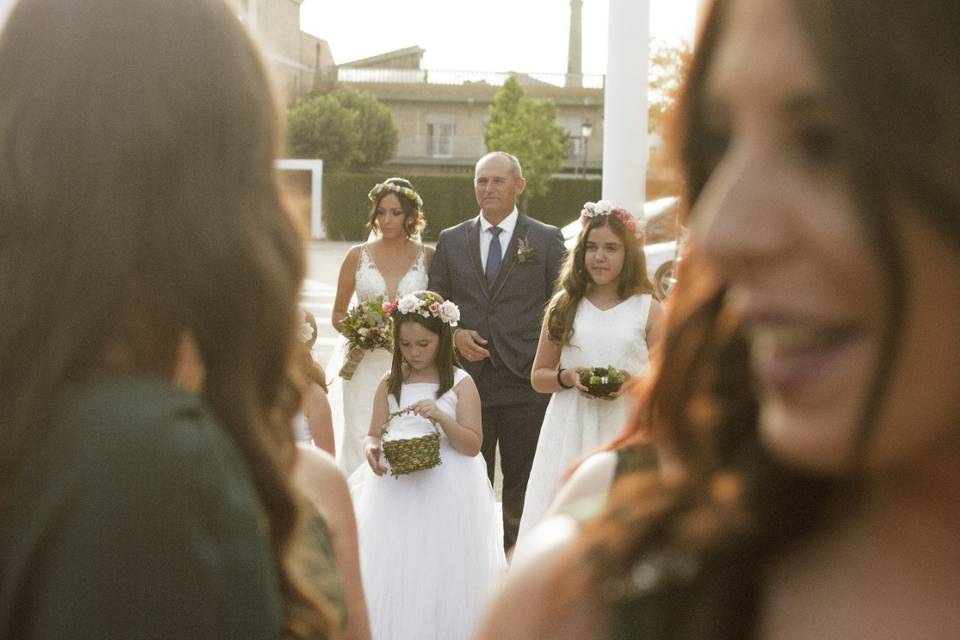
<point x="525" y="251"/>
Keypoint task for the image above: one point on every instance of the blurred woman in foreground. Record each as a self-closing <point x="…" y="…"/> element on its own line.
<point x="149" y="275"/>
<point x="821" y="143"/>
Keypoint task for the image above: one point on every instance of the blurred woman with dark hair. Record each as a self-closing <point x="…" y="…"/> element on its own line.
<point x="149" y="273"/>
<point x="821" y="143"/>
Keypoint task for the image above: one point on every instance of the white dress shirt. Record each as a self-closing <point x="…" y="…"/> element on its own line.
<point x="507" y="224"/>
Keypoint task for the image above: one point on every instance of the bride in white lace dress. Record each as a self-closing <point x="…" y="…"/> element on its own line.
<point x="393" y="263"/>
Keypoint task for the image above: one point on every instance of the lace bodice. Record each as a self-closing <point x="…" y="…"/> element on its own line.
<point x="370" y="283"/>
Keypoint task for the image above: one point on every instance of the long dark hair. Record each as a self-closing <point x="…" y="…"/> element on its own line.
<point x="414" y="221"/>
<point x="446" y="358"/>
<point x="139" y="201"/>
<point x="574" y="281"/>
<point x="710" y="538"/>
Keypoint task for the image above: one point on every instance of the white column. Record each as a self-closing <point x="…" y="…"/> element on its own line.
<point x="625" y="148"/>
<point x="252" y="15"/>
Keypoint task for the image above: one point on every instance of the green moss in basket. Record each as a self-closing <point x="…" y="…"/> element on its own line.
<point x="602" y="381"/>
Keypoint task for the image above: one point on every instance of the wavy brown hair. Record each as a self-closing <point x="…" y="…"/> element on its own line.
<point x="314" y="372"/>
<point x="139" y="202"/>
<point x="713" y="534"/>
<point x="574" y="281"/>
<point x="414" y="221"/>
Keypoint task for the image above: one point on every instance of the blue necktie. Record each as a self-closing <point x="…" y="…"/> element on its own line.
<point x="494" y="255"/>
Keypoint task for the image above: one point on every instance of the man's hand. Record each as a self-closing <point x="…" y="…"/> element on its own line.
<point x="469" y="343"/>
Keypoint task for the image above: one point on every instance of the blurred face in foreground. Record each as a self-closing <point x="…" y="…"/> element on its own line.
<point x="779" y="221"/>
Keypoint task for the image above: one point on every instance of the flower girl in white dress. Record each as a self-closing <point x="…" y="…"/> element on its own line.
<point x="603" y="315"/>
<point x="431" y="544"/>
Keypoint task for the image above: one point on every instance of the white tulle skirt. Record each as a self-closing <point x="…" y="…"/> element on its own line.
<point x="351" y="401"/>
<point x="431" y="548"/>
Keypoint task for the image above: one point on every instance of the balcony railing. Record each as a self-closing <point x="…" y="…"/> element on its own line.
<point x="426" y="76"/>
<point x="460" y="149"/>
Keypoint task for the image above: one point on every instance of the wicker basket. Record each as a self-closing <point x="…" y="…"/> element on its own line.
<point x="408" y="455"/>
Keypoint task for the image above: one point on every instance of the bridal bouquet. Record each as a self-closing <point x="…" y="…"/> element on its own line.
<point x="366" y="327"/>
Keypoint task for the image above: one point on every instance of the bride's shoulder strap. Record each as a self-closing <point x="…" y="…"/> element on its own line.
<point x="364" y="255"/>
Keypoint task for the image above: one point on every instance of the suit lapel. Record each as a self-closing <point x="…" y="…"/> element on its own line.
<point x="510" y="257"/>
<point x="473" y="250"/>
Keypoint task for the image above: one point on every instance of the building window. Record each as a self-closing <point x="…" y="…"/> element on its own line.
<point x="441" y="129"/>
<point x="575" y="146"/>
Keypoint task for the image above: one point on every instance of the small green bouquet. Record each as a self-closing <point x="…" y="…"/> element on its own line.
<point x="602" y="381"/>
<point x="366" y="327"/>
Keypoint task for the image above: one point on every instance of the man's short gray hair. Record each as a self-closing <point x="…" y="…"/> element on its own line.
<point x="514" y="163"/>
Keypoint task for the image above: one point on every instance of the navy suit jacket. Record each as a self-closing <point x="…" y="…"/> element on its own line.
<point x="509" y="312"/>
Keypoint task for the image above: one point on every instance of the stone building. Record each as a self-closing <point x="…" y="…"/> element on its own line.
<point x="441" y="115"/>
<point x="296" y="57"/>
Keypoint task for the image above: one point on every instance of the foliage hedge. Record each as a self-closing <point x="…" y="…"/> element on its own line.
<point x="448" y="200"/>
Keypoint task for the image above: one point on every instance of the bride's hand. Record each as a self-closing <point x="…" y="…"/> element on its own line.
<point x="372" y="451"/>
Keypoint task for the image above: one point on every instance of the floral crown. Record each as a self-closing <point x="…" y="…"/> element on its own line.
<point x="307" y="331"/>
<point x="606" y="208"/>
<point x="398" y="188"/>
<point x="427" y="304"/>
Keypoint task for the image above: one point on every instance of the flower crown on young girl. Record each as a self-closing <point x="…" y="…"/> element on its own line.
<point x="426" y="304"/>
<point x="606" y="208"/>
<point x="386" y="185"/>
<point x="307" y="331"/>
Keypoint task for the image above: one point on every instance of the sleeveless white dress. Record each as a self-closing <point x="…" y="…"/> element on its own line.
<point x="431" y="542"/>
<point x="351" y="401"/>
<point x="573" y="425"/>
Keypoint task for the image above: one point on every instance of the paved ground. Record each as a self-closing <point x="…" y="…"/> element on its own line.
<point x="320" y="287"/>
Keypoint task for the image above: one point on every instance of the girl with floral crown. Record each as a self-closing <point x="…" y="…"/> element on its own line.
<point x="604" y="315"/>
<point x="431" y="543"/>
<point x="391" y="264"/>
<point x="314" y="422"/>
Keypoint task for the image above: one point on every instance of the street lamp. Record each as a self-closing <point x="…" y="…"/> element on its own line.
<point x="585" y="130"/>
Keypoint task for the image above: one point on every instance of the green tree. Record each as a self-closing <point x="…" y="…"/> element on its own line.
<point x="378" y="134"/>
<point x="320" y="127"/>
<point x="529" y="130"/>
<point x="350" y="130"/>
<point x="668" y="67"/>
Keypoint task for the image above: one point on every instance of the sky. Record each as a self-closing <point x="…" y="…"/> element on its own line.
<point x="491" y="35"/>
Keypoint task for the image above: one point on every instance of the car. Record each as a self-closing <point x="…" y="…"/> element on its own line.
<point x="660" y="241"/>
